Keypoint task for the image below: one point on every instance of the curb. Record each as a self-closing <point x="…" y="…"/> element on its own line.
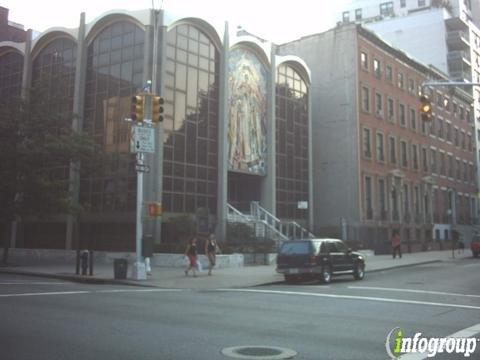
<point x="103" y="281"/>
<point x="76" y="278"/>
<point x="404" y="266"/>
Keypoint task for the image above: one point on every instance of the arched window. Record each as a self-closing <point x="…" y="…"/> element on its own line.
<point x="291" y="143"/>
<point x="11" y="68"/>
<point x="114" y="73"/>
<point x="191" y="109"/>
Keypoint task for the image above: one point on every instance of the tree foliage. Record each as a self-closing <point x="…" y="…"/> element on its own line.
<point x="37" y="145"/>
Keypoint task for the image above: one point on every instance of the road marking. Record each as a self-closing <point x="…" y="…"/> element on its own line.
<point x="411" y="291"/>
<point x="35" y="283"/>
<point x="89" y="292"/>
<point x="350" y="297"/>
<point x="465" y="333"/>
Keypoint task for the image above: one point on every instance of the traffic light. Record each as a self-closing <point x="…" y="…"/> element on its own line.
<point x="157" y="109"/>
<point x="155" y="209"/>
<point x="137" y="108"/>
<point x="425" y="108"/>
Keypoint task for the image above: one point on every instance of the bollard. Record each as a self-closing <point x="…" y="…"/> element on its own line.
<point x="90" y="263"/>
<point x="84" y="261"/>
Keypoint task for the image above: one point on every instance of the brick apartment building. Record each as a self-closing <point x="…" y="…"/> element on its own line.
<point x="377" y="165"/>
<point x="10" y="31"/>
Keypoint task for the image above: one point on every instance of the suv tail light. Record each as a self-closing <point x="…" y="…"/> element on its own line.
<point x="312" y="260"/>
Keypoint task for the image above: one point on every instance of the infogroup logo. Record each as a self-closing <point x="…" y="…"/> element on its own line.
<point x="398" y="344"/>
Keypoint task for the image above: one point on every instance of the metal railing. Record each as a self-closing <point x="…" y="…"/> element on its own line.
<point x="289" y="230"/>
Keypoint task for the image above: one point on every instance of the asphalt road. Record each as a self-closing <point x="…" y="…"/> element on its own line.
<point x="48" y="319"/>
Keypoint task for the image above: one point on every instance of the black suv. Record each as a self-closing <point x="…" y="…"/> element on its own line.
<point x="318" y="258"/>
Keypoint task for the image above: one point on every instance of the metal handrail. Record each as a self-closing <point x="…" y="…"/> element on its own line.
<point x="273" y="222"/>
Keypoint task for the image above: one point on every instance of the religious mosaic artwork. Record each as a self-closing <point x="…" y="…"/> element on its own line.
<point x="247" y="141"/>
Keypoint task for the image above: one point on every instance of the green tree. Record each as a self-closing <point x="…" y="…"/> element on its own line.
<point x="37" y="145"/>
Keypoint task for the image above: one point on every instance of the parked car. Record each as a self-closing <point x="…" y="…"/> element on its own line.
<point x="318" y="259"/>
<point x="475" y="246"/>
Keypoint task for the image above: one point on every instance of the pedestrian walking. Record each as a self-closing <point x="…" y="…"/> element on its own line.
<point x="396" y="244"/>
<point x="191" y="253"/>
<point x="211" y="250"/>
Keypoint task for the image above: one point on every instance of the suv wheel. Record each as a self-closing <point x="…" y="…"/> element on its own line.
<point x="359" y="271"/>
<point x="326" y="275"/>
<point x="475" y="254"/>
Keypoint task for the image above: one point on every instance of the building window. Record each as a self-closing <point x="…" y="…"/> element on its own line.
<point x="458" y="168"/>
<point x="402" y="115"/>
<point x="448" y="131"/>
<point x="469" y="140"/>
<point x="392" y="150"/>
<point x="425" y="159"/>
<point x="404" y="153"/>
<point x="465" y="171"/>
<point x="403" y="3"/>
<point x="424" y="127"/>
<point x="432" y="126"/>
<point x="346" y="16"/>
<point x="380" y="151"/>
<point x="358" y="14"/>
<point x="415" y="156"/>
<point x="440" y="128"/>
<point x="421" y="3"/>
<point x="390" y="109"/>
<point x="379" y="105"/>
<point x="386" y="9"/>
<point x="413" y="119"/>
<point x="389" y="73"/>
<point x="366" y="143"/>
<point x="115" y="59"/>
<point x="377" y="69"/>
<point x="364" y="60"/>
<point x="456" y="137"/>
<point x="450" y="166"/>
<point x="291" y="149"/>
<point x="406" y="203"/>
<point x="433" y="160"/>
<point x="463" y="137"/>
<point x="442" y="164"/>
<point x="417" y="200"/>
<point x="381" y="199"/>
<point x="191" y="153"/>
<point x="411" y="86"/>
<point x="400" y="80"/>
<point x="368" y="197"/>
<point x="365" y="99"/>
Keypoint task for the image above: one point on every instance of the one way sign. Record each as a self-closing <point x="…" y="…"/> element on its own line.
<point x="143" y="140"/>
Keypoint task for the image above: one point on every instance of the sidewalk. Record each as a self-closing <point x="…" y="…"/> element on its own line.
<point x="247" y="276"/>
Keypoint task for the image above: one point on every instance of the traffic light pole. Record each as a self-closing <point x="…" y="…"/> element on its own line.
<point x="139" y="269"/>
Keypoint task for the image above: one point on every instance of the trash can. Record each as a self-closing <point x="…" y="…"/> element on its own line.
<point x="120" y="267"/>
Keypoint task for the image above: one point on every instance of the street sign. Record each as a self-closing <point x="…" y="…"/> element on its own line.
<point x="143" y="140"/>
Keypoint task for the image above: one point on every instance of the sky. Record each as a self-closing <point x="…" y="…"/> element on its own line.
<point x="278" y="21"/>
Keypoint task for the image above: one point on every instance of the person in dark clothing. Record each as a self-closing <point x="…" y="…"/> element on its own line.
<point x="211" y="249"/>
<point x="191" y="253"/>
<point x="396" y="244"/>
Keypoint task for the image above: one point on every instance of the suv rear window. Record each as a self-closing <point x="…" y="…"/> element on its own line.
<point x="297" y="247"/>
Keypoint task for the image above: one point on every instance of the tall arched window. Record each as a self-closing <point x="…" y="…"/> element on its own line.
<point x="114" y="73"/>
<point x="190" y="148"/>
<point x="11" y="68"/>
<point x="291" y="143"/>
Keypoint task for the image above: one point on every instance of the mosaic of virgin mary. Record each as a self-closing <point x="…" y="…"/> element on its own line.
<point x="247" y="144"/>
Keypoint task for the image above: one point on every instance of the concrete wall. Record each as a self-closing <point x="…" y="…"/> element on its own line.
<point x="421" y="35"/>
<point x="332" y="57"/>
<point x="45" y="256"/>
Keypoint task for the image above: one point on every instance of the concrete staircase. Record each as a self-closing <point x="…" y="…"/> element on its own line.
<point x="267" y="225"/>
